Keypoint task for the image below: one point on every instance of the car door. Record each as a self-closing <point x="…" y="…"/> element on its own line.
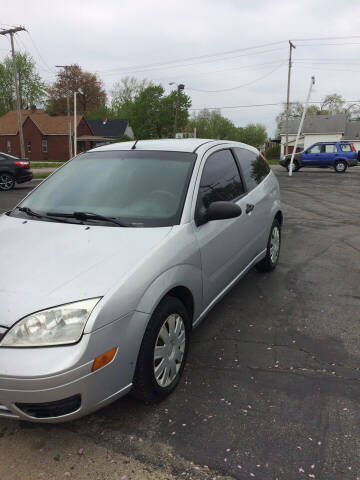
<point x="311" y="156"/>
<point x="327" y="154"/>
<point x="255" y="171"/>
<point x="224" y="244"/>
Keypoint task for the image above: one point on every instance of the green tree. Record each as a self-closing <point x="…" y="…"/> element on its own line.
<point x="124" y="92"/>
<point x="333" y="104"/>
<point x="31" y="87"/>
<point x="150" y="112"/>
<point x="211" y="124"/>
<point x="253" y="134"/>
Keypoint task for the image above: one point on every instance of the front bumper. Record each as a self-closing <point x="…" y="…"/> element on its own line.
<point x="56" y="374"/>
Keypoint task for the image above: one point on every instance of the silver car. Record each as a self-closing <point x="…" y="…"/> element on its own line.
<point x="114" y="259"/>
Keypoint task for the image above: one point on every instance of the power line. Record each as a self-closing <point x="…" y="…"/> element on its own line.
<point x="258" y="105"/>
<point x="39" y="54"/>
<point x="166" y="67"/>
<point x="239" y="86"/>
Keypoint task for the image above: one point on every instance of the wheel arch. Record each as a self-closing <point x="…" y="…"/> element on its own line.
<point x="183" y="282"/>
<point x="279" y="217"/>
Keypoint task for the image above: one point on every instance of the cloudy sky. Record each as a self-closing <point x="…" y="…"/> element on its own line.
<point x="206" y="44"/>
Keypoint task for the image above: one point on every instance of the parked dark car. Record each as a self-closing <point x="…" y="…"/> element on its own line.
<point x="13" y="170"/>
<point x="339" y="155"/>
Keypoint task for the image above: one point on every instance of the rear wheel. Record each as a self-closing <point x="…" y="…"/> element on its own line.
<point x="340" y="166"/>
<point x="163" y="351"/>
<point x="7" y="181"/>
<point x="269" y="262"/>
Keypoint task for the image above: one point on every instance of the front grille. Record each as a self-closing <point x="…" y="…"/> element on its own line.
<point x="51" y="409"/>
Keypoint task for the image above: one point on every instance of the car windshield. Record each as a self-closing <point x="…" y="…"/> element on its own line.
<point x="140" y="188"/>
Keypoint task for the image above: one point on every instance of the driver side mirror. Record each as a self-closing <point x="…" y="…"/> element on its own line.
<point x="217" y="211"/>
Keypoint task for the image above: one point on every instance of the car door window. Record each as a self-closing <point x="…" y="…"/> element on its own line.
<point x="314" y="149"/>
<point x="331" y="148"/>
<point x="220" y="180"/>
<point x="254" y="168"/>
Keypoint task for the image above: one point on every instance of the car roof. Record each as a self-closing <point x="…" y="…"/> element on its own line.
<point x="335" y="141"/>
<point x="170" y="145"/>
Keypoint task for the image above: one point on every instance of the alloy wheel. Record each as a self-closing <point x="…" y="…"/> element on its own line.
<point x="6" y="182"/>
<point x="169" y="350"/>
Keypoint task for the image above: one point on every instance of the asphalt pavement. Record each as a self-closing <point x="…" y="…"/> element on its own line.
<point x="272" y="385"/>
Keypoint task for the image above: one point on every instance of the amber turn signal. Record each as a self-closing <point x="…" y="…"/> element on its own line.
<point x="103" y="359"/>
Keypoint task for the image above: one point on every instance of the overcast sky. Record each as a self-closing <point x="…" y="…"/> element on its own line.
<point x="114" y="37"/>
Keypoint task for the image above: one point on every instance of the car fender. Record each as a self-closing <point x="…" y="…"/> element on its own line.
<point x="188" y="276"/>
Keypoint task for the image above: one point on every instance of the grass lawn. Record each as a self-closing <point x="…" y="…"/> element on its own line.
<point x="41" y="175"/>
<point x="46" y="164"/>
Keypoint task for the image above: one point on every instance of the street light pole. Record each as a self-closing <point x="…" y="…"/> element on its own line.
<point x="312" y="82"/>
<point x="66" y="67"/>
<point x="75" y="126"/>
<point x="180" y="87"/>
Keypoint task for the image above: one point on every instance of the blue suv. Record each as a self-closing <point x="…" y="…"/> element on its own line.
<point x="339" y="155"/>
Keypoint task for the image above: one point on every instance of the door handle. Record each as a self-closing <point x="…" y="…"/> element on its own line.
<point x="249" y="207"/>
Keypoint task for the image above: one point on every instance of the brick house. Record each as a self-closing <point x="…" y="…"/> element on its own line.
<point x="45" y="137"/>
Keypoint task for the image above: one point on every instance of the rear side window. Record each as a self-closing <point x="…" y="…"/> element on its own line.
<point x="253" y="166"/>
<point x="220" y="180"/>
<point x="330" y="148"/>
<point x="346" y="147"/>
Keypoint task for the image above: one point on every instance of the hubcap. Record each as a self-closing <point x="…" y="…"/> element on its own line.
<point x="274" y="244"/>
<point x="6" y="182"/>
<point x="169" y="350"/>
<point x="340" y="167"/>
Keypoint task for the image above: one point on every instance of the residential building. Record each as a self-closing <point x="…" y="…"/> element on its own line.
<point x="46" y="137"/>
<point x="321" y="128"/>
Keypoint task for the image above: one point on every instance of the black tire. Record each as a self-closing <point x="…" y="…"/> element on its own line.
<point x="7" y="181"/>
<point x="268" y="263"/>
<point x="145" y="385"/>
<point x="340" y="166"/>
<point x="296" y="166"/>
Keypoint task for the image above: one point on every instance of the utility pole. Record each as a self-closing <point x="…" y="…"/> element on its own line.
<point x="180" y="87"/>
<point x="11" y="32"/>
<point x="66" y="67"/>
<point x="288" y="100"/>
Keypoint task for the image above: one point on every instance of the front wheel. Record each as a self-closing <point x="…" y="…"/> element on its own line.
<point x="296" y="166"/>
<point x="163" y="351"/>
<point x="340" y="166"/>
<point x="269" y="262"/>
<point x="7" y="181"/>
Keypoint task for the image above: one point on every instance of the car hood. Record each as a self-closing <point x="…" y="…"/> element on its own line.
<point x="44" y="264"/>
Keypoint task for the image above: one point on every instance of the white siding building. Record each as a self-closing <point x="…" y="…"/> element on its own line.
<point x="322" y="128"/>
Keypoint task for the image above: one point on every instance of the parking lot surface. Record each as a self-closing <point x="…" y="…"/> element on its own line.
<point x="272" y="385"/>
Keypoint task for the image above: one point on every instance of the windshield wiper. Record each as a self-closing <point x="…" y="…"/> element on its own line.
<point x="31" y="213"/>
<point x="82" y="216"/>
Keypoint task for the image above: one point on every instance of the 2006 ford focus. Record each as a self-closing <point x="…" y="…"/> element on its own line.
<point x="114" y="259"/>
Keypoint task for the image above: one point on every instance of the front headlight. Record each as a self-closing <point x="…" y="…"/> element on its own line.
<point x="55" y="326"/>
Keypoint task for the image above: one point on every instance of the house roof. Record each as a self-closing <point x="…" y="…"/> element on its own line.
<point x="318" y="124"/>
<point x="47" y="124"/>
<point x="108" y="128"/>
<point x="352" y="130"/>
